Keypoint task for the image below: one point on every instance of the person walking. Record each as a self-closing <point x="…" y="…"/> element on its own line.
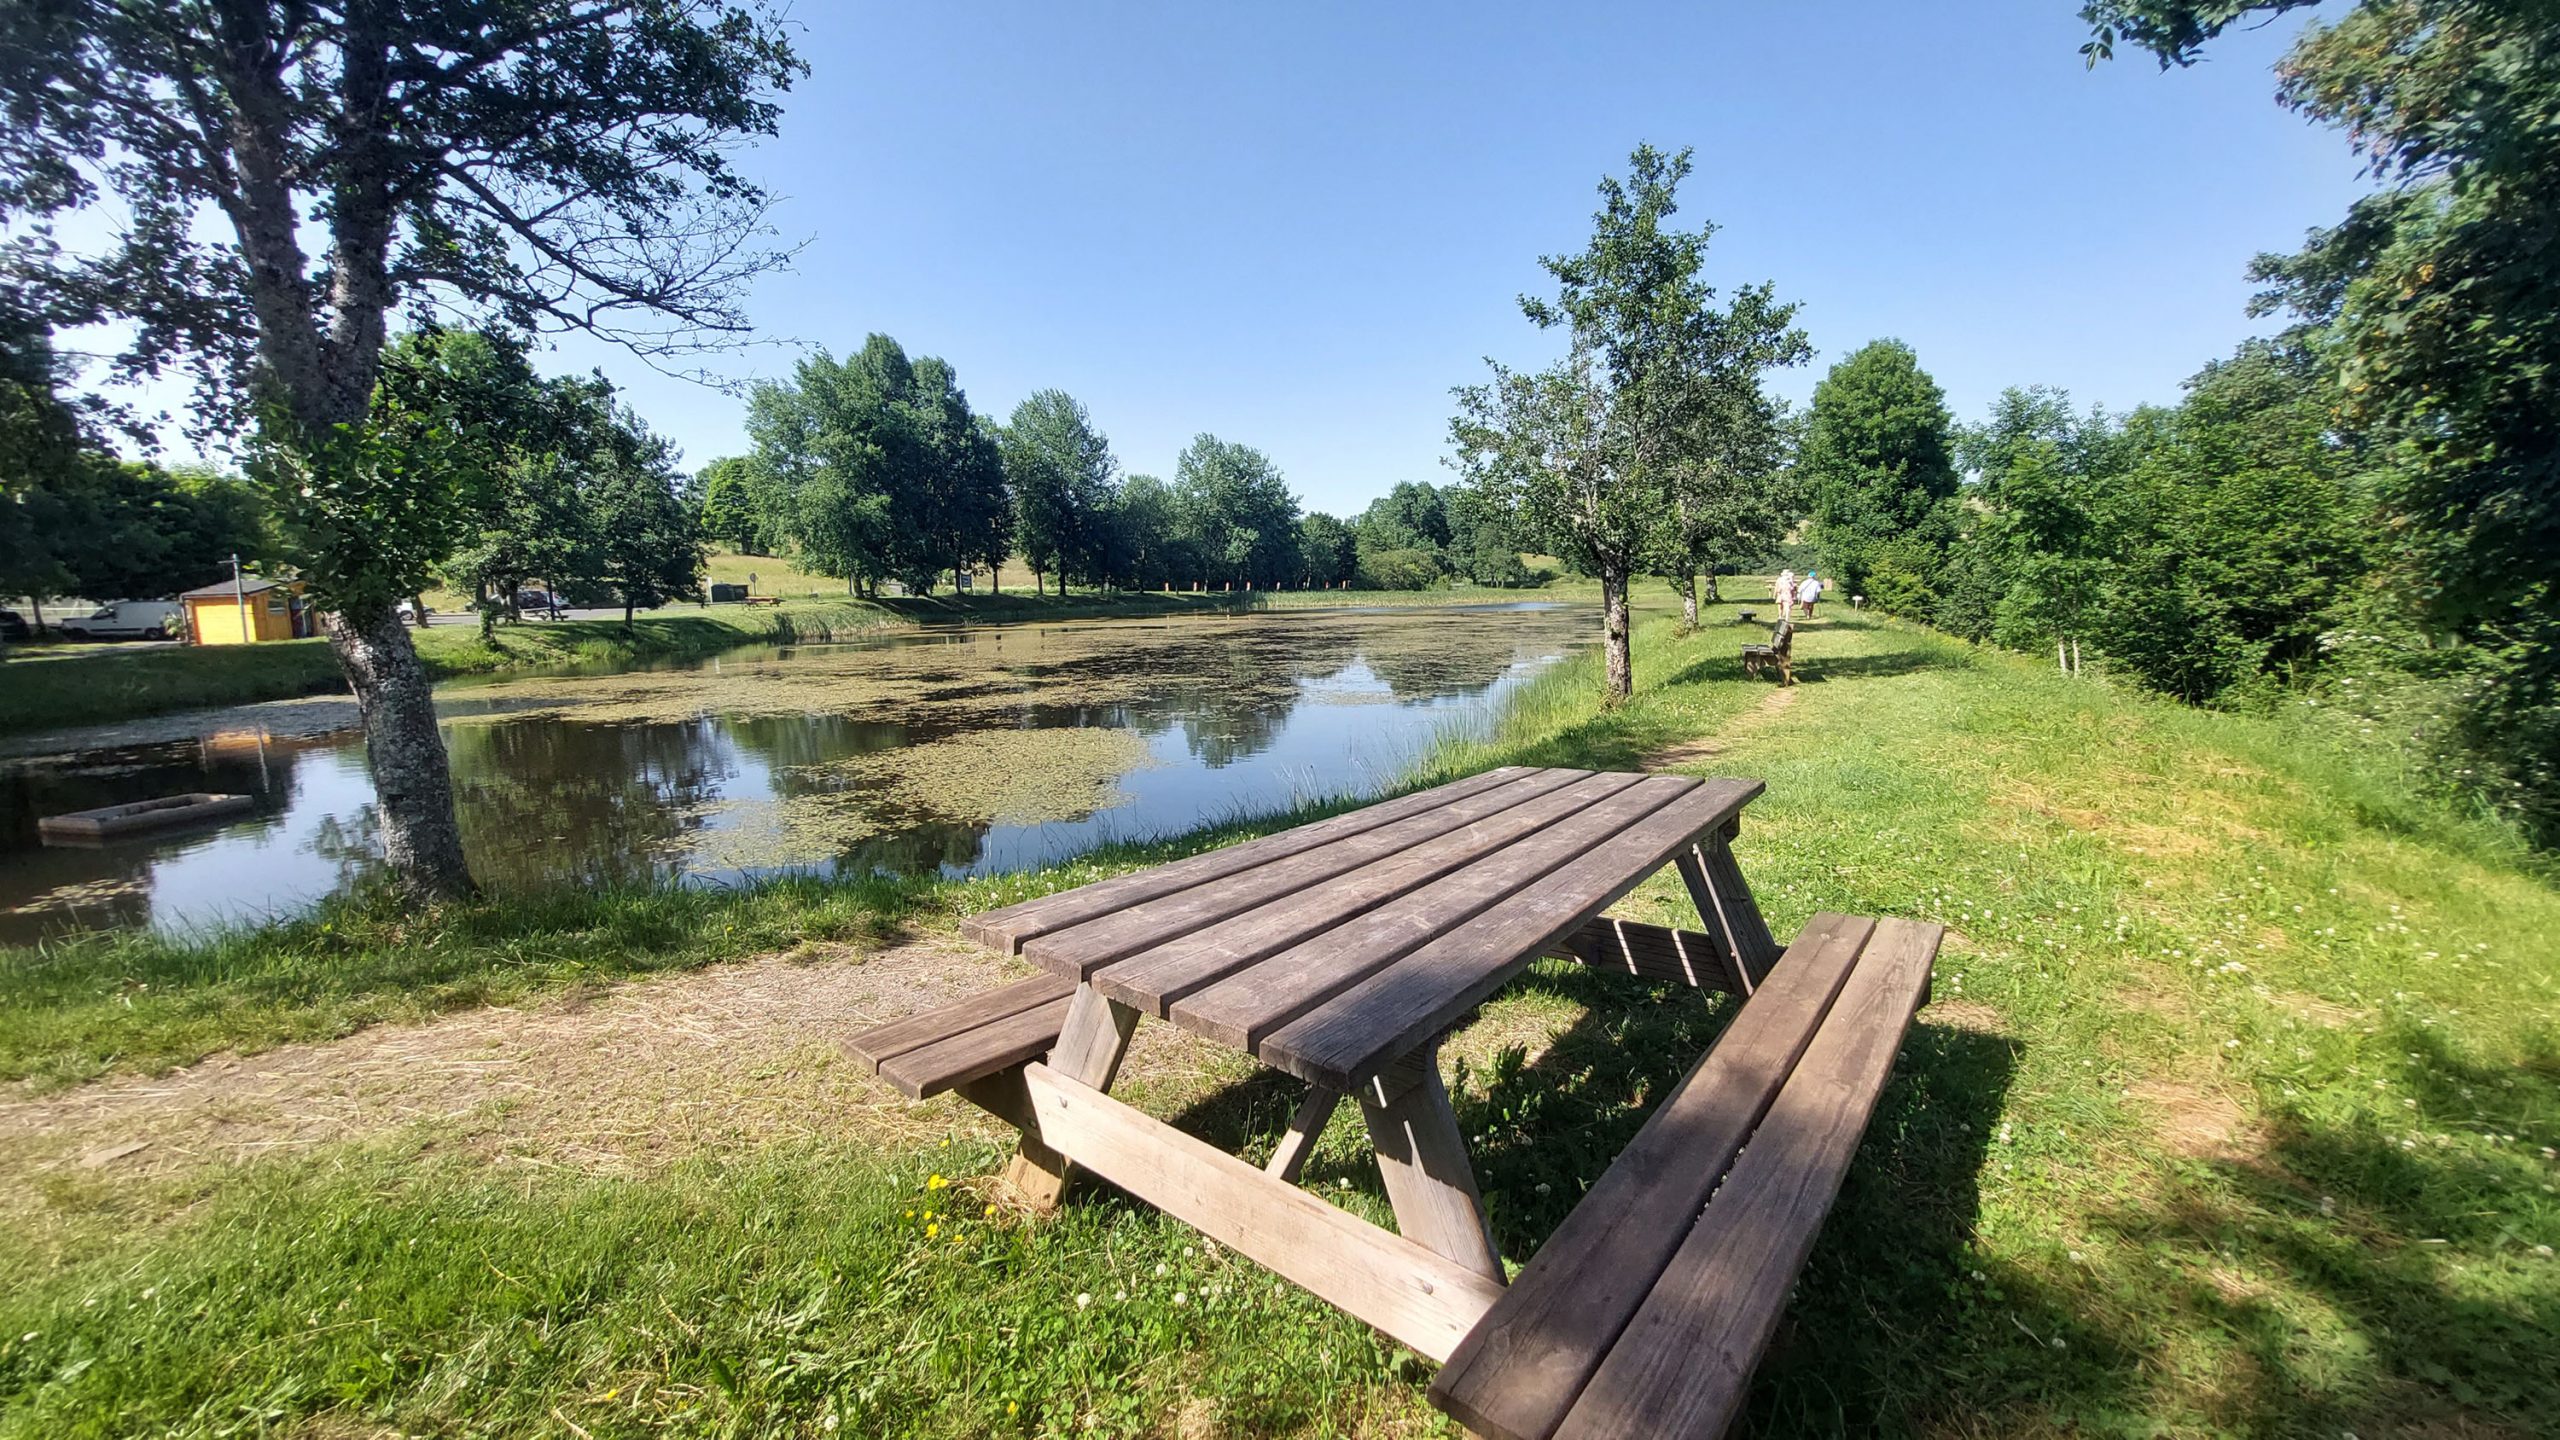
<point x="1786" y="593"/>
<point x="1809" y="592"/>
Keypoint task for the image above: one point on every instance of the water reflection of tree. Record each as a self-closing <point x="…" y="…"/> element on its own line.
<point x="1431" y="662"/>
<point x="543" y="802"/>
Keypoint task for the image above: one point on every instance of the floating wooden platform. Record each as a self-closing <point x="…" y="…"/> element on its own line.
<point x="109" y="822"/>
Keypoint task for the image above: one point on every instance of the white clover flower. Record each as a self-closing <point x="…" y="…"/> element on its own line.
<point x="1083" y="1299"/>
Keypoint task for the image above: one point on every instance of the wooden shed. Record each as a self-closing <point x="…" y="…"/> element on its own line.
<point x="275" y="612"/>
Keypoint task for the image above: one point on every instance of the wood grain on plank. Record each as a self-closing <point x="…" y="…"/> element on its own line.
<point x="1080" y="950"/>
<point x="931" y="1069"/>
<point x="1006" y="930"/>
<point x="1423" y="993"/>
<point x="1743" y="924"/>
<point x="1681" y="1368"/>
<point x="1091" y="1044"/>
<point x="1424" y="1300"/>
<point x="884" y="1042"/>
<point x="1153" y="978"/>
<point x="1423" y="1160"/>
<point x="1520" y="1371"/>
<point x="1250" y="1004"/>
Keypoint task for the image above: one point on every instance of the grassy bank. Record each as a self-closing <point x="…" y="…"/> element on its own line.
<point x="2236" y="1112"/>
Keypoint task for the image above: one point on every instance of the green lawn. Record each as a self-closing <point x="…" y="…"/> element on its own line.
<point x="2234" y="1113"/>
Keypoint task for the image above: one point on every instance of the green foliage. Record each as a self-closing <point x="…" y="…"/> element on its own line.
<point x="2437" y="302"/>
<point x="1238" y="512"/>
<point x="1878" y="462"/>
<point x="647" y="542"/>
<point x="885" y="470"/>
<point x="1060" y="472"/>
<point x="1656" y="403"/>
<point x="734" y="509"/>
<point x="1407" y="569"/>
<point x="1327" y="549"/>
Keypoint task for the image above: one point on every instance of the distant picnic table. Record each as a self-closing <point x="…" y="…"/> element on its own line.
<point x="1342" y="952"/>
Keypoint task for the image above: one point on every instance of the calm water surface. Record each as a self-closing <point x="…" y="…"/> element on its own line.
<point x="965" y="750"/>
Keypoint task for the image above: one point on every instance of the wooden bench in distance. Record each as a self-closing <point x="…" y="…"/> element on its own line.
<point x="948" y="1047"/>
<point x="1779" y="652"/>
<point x="1647" y="1310"/>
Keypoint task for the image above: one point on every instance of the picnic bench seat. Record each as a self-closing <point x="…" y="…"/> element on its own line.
<point x="949" y="1046"/>
<point x="1780" y="652"/>
<point x="1647" y="1310"/>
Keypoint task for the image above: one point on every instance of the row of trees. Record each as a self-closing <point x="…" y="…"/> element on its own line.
<point x="541" y="480"/>
<point x="875" y="468"/>
<point x="553" y="480"/>
<point x="2365" y="510"/>
<point x="75" y="520"/>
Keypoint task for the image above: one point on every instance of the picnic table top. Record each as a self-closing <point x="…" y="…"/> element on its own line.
<point x="1334" y="949"/>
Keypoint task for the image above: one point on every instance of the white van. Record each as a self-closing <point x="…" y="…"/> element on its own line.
<point x="127" y="620"/>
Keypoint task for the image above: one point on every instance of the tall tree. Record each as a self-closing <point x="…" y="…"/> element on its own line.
<point x="733" y="511"/>
<point x="2437" y="299"/>
<point x="1061" y="471"/>
<point x="1592" y="450"/>
<point x="1239" y="511"/>
<point x="1326" y="554"/>
<point x="648" y="542"/>
<point x="1878" y="462"/>
<point x="563" y="161"/>
<point x="948" y="505"/>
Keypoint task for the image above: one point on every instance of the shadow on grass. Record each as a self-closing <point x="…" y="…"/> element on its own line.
<point x="1888" y="1284"/>
<point x="2311" y="1224"/>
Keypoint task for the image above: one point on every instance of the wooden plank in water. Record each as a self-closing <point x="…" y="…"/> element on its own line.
<point x="1345" y="1039"/>
<point x="1155" y="977"/>
<point x="1252" y="1003"/>
<point x="1006" y="930"/>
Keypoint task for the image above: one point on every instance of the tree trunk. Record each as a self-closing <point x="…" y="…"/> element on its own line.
<point x="1714" y="595"/>
<point x="1613" y="632"/>
<point x="1688" y="603"/>
<point x="421" y="841"/>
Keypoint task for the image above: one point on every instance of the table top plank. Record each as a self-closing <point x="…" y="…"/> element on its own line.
<point x="1347" y="1038"/>
<point x="1519" y="1373"/>
<point x="1154" y="978"/>
<point x="1247" y="1006"/>
<point x="1681" y="1367"/>
<point x="1079" y="950"/>
<point x="1005" y="930"/>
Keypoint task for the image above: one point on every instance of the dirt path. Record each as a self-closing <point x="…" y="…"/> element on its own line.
<point x="644" y="1073"/>
<point x="1700" y="749"/>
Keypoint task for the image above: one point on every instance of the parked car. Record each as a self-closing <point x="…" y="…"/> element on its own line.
<point x="529" y="601"/>
<point x="128" y="620"/>
<point x="13" y="626"/>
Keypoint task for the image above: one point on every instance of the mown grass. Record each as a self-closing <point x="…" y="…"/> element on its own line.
<point x="2235" y="1113"/>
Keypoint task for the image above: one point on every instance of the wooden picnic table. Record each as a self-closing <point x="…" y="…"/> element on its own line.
<point x="1342" y="952"/>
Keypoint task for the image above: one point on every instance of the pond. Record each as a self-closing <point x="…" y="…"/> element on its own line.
<point x="958" y="750"/>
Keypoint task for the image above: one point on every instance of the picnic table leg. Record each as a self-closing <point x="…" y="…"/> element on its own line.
<point x="1726" y="908"/>
<point x="1314" y="1112"/>
<point x="1423" y="1159"/>
<point x="1089" y="1050"/>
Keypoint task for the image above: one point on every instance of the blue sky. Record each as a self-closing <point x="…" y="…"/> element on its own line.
<point x="1298" y="226"/>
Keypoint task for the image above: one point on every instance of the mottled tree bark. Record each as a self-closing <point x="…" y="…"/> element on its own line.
<point x="1613" y="633"/>
<point x="421" y="841"/>
<point x="1688" y="603"/>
